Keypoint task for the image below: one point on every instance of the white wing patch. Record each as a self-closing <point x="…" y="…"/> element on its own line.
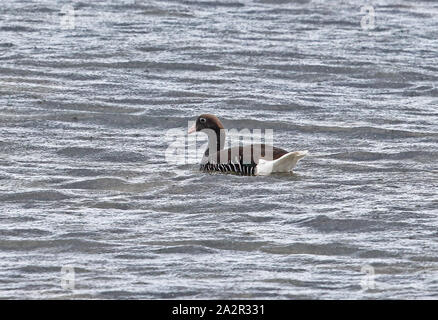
<point x="283" y="164"/>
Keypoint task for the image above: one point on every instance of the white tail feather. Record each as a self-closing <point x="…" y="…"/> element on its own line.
<point x="283" y="164"/>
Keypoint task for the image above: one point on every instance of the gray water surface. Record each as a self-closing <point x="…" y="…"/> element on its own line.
<point x="85" y="106"/>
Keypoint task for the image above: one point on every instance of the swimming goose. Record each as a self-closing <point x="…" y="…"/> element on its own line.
<point x="254" y="159"/>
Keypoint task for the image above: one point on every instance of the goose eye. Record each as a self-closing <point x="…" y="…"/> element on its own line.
<point x="202" y="120"/>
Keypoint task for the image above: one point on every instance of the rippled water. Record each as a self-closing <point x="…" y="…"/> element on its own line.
<point x="85" y="106"/>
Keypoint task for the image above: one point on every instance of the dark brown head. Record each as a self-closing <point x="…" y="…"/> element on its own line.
<point x="206" y="121"/>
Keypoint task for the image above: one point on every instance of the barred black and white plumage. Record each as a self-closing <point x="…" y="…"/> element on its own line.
<point x="230" y="167"/>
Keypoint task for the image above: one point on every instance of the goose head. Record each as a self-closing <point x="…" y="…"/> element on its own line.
<point x="206" y="121"/>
